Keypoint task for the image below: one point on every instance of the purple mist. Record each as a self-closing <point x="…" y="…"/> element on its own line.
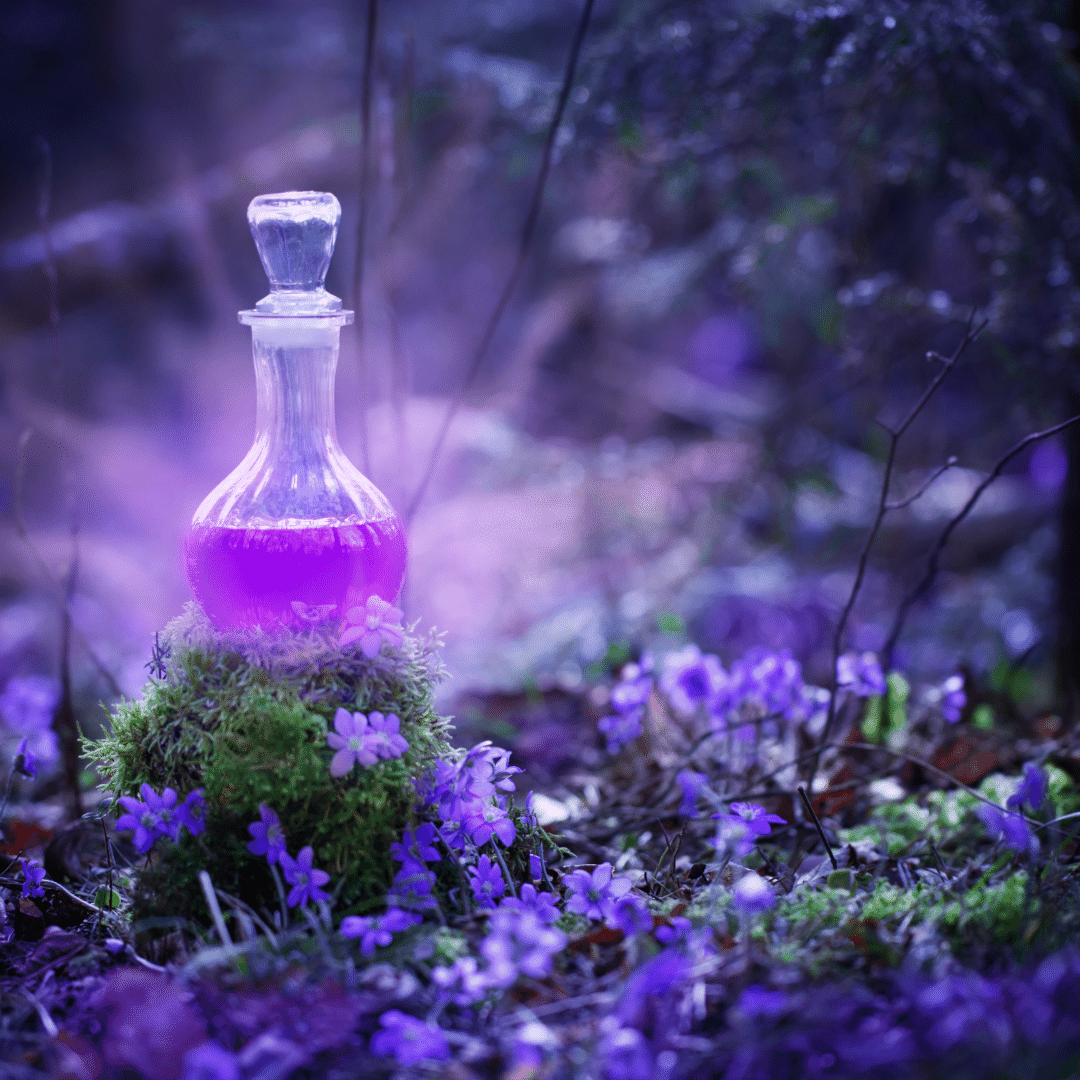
<point x="249" y="577"/>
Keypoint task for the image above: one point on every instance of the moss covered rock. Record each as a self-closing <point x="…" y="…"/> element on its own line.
<point x="245" y="715"/>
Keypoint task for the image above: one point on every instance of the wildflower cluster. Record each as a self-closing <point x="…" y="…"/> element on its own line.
<point x="760" y="685"/>
<point x="269" y="840"/>
<point x="160" y="815"/>
<point x="629" y="698"/>
<point x="363" y="740"/>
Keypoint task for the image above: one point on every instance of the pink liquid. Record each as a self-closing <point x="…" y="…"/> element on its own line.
<point x="249" y="577"/>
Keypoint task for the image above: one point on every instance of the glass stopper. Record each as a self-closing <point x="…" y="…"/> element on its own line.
<point x="295" y="232"/>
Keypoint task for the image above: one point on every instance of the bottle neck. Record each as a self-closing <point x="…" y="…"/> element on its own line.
<point x="294" y="378"/>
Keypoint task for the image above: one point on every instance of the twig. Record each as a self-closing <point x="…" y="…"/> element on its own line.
<point x="531" y="219"/>
<point x="940" y="861"/>
<point x="64" y="722"/>
<point x="503" y="867"/>
<point x="361" y="224"/>
<point x="817" y="825"/>
<point x="14" y="883"/>
<point x="58" y="589"/>
<point x="895" y="434"/>
<point x="927" y="581"/>
<point x="950" y="462"/>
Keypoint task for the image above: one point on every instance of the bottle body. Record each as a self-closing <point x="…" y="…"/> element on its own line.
<point x="295" y="525"/>
<point x="253" y="576"/>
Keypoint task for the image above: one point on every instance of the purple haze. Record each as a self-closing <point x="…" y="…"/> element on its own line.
<point x="249" y="577"/>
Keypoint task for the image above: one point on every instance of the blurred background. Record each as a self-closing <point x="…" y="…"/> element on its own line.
<point x="759" y="219"/>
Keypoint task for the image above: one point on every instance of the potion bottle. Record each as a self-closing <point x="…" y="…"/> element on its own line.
<point x="295" y="527"/>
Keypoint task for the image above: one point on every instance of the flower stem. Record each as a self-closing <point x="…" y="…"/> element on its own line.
<point x="506" y="872"/>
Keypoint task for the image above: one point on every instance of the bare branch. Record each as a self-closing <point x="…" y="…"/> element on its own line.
<point x="531" y="219"/>
<point x="932" y="562"/>
<point x="883" y="506"/>
<point x="923" y="486"/>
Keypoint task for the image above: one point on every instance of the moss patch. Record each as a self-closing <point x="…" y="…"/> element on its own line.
<point x="246" y="716"/>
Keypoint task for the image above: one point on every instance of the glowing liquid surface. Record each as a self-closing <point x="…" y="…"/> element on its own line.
<point x="249" y="577"/>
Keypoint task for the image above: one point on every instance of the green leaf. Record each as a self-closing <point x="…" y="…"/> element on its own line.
<point x="670" y="623"/>
<point x="983" y="717"/>
<point x="871" y="725"/>
<point x="106" y="898"/>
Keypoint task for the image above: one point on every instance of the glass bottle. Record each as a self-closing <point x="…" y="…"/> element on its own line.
<point x="295" y="526"/>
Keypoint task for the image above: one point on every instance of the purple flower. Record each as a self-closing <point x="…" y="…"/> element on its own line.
<point x="163" y="807"/>
<point x="595" y="894"/>
<point x="482" y="820"/>
<point x="761" y="684"/>
<point x="1011" y="828"/>
<point x="373" y="624"/>
<point x="383" y="736"/>
<point x="752" y="895"/>
<point x="437" y="785"/>
<point x="453" y="813"/>
<point x="462" y="982"/>
<point x="621" y="728"/>
<point x="953" y="698"/>
<point x="1032" y="790"/>
<point x="25" y="760"/>
<point x="542" y="905"/>
<point x="303" y="877"/>
<point x="412" y="888"/>
<point x="192" y="812"/>
<point x="692" y="679"/>
<point x="484" y="771"/>
<point x="755" y="817"/>
<point x="377" y="931"/>
<point x="487" y="882"/>
<point x="862" y="675"/>
<point x="269" y="835"/>
<point x="632" y="690"/>
<point x="408" y="1040"/>
<point x="519" y="941"/>
<point x="757" y="1001"/>
<point x="650" y="995"/>
<point x="691" y="783"/>
<point x="211" y="1061"/>
<point x="350" y="742"/>
<point x="536" y="864"/>
<point x="631" y="915"/>
<point x="678" y="929"/>
<point x="417" y="844"/>
<point x="34" y="876"/>
<point x="28" y="703"/>
<point x="141" y="819"/>
<point x="734" y="839"/>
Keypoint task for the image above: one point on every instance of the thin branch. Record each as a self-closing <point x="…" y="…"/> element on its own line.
<point x="817" y="825"/>
<point x="531" y="219"/>
<point x="899" y="505"/>
<point x="58" y="589"/>
<point x="361" y="224"/>
<point x="932" y="562"/>
<point x="895" y="434"/>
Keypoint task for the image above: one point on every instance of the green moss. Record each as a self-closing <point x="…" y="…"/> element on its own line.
<point x="246" y="716"/>
<point x="996" y="911"/>
<point x="815" y="908"/>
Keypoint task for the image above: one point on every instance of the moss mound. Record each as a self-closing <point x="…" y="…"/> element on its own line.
<point x="245" y="715"/>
